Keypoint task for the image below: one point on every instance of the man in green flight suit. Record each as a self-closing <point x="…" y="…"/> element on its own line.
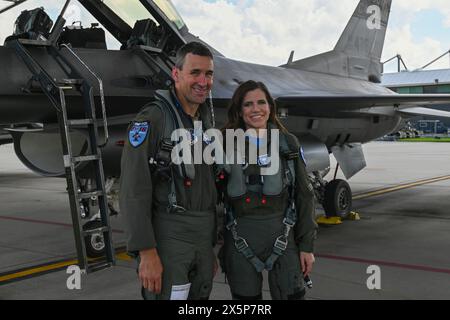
<point x="170" y="209"/>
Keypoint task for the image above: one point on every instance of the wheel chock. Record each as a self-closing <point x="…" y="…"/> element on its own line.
<point x="329" y="221"/>
<point x="353" y="216"/>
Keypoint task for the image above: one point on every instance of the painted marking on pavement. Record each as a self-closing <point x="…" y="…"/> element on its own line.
<point x="51" y="223"/>
<point x="399" y="187"/>
<point x="39" y="270"/>
<point x="385" y="263"/>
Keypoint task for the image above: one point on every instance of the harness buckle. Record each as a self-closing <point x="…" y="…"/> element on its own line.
<point x="290" y="155"/>
<point x="173" y="208"/>
<point x="240" y="244"/>
<point x="231" y="224"/>
<point x="288" y="222"/>
<point x="161" y="165"/>
<point x="164" y="154"/>
<point x="281" y="243"/>
<point x="166" y="146"/>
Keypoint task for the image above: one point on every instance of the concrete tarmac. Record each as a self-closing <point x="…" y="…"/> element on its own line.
<point x="404" y="233"/>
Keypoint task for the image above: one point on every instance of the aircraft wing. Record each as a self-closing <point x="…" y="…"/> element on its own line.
<point x="321" y="105"/>
<point x="417" y="111"/>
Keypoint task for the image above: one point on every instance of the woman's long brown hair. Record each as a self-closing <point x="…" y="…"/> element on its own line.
<point x="235" y="120"/>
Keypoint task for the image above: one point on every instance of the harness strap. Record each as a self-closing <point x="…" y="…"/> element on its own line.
<point x="173" y="206"/>
<point x="241" y="244"/>
<point x="186" y="170"/>
<point x="290" y="218"/>
<point x="163" y="157"/>
<point x="279" y="246"/>
<point x="282" y="241"/>
<point x="289" y="156"/>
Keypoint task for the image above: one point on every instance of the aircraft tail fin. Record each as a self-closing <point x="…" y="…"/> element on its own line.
<point x="358" y="51"/>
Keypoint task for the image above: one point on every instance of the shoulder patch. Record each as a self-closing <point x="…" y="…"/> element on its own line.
<point x="302" y="155"/>
<point x="138" y="133"/>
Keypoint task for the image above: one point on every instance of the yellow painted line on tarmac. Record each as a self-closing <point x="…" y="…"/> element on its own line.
<point x="124" y="257"/>
<point x="33" y="271"/>
<point x="37" y="270"/>
<point x="399" y="187"/>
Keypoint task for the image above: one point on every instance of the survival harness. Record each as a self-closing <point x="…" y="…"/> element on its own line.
<point x="290" y="217"/>
<point x="161" y="164"/>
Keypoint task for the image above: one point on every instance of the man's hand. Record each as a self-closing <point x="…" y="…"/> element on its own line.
<point x="307" y="260"/>
<point x="150" y="270"/>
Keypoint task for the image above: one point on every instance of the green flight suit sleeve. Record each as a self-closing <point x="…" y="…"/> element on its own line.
<point x="136" y="186"/>
<point x="306" y="227"/>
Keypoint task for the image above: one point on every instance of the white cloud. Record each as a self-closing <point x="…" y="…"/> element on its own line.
<point x="268" y="30"/>
<point x="415" y="54"/>
<point x="265" y="31"/>
<point x="440" y="5"/>
<point x="401" y="40"/>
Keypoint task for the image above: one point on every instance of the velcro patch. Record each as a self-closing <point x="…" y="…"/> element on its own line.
<point x="138" y="133"/>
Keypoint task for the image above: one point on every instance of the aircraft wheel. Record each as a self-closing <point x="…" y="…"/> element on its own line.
<point x="338" y="199"/>
<point x="95" y="243"/>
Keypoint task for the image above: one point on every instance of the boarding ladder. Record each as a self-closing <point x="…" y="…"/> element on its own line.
<point x="56" y="91"/>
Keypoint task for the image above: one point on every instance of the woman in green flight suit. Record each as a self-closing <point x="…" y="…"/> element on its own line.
<point x="269" y="218"/>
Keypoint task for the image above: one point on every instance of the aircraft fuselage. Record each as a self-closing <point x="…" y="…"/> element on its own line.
<point x="128" y="85"/>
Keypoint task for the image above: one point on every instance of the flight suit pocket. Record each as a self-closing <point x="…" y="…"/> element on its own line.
<point x="296" y="286"/>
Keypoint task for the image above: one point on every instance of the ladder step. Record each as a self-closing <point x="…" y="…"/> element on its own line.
<point x="37" y="43"/>
<point x="98" y="266"/>
<point x="86" y="158"/>
<point x="71" y="81"/>
<point x="65" y="87"/>
<point x="88" y="195"/>
<point x="80" y="122"/>
<point x="150" y="49"/>
<point x="69" y="84"/>
<point x="96" y="231"/>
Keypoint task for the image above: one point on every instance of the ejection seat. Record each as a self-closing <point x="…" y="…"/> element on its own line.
<point x="79" y="37"/>
<point x="32" y="24"/>
<point x="145" y="33"/>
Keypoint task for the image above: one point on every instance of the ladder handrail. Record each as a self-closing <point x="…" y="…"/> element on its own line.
<point x="57" y="97"/>
<point x="102" y="95"/>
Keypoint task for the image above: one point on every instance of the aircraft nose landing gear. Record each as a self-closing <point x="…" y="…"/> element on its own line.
<point x="335" y="196"/>
<point x="95" y="243"/>
<point x="94" y="239"/>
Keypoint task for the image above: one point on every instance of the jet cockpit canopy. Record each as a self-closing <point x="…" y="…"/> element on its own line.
<point x="132" y="11"/>
<point x="5" y="5"/>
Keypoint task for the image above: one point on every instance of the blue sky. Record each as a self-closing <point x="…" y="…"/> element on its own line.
<point x="265" y="31"/>
<point x="430" y="22"/>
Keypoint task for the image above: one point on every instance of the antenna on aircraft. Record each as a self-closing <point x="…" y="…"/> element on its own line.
<point x="291" y="57"/>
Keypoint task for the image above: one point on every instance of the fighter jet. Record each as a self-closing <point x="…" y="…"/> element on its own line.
<point x="333" y="102"/>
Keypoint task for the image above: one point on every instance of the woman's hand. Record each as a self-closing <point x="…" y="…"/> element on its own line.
<point x="307" y="260"/>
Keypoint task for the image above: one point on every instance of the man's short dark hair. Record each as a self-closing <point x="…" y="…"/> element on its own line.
<point x="196" y="48"/>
